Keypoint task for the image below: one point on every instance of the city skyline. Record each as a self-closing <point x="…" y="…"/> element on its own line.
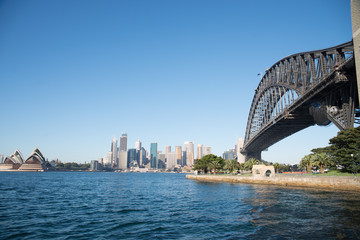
<point x="184" y="70"/>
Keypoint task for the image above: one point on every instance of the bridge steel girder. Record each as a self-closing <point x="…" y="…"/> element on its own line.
<point x="301" y="90"/>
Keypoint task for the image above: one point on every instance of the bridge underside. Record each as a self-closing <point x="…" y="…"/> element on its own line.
<point x="332" y="100"/>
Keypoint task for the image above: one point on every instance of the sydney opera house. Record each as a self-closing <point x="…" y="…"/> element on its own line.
<point x="15" y="162"/>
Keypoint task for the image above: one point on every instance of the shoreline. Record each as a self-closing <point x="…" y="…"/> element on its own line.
<point x="324" y="183"/>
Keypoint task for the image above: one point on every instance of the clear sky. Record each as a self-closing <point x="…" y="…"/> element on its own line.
<point x="74" y="74"/>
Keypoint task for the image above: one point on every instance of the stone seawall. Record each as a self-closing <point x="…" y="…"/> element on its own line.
<point x="330" y="183"/>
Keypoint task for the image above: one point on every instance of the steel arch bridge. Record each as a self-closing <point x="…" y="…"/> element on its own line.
<point x="316" y="87"/>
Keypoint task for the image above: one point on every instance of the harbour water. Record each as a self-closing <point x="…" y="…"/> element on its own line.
<point x="105" y="205"/>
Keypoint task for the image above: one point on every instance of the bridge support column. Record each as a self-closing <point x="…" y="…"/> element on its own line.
<point x="355" y="19"/>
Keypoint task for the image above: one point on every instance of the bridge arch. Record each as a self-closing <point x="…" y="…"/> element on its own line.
<point x="301" y="90"/>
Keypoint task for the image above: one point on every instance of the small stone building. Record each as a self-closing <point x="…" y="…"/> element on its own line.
<point x="263" y="171"/>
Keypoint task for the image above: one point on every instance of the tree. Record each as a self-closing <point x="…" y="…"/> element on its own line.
<point x="345" y="149"/>
<point x="276" y="166"/>
<point x="306" y="163"/>
<point x="320" y="160"/>
<point x="203" y="164"/>
<point x="231" y="165"/>
<point x="217" y="163"/>
<point x="252" y="161"/>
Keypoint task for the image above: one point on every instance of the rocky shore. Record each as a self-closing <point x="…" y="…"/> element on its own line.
<point x="318" y="182"/>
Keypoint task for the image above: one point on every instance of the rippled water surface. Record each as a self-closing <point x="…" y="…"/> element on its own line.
<point x="85" y="205"/>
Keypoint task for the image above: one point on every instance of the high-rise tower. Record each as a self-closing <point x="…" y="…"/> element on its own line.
<point x="114" y="151"/>
<point x="123" y="142"/>
<point x="189" y="149"/>
<point x="200" y="151"/>
<point x="153" y="155"/>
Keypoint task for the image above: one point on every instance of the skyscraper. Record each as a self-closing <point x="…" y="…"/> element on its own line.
<point x="123" y="162"/>
<point x="138" y="145"/>
<point x="189" y="149"/>
<point x="153" y="155"/>
<point x="207" y="150"/>
<point x="123" y="142"/>
<point x="114" y="149"/>
<point x="200" y="151"/>
<point x="178" y="155"/>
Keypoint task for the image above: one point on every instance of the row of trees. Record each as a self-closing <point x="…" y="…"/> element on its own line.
<point x="343" y="152"/>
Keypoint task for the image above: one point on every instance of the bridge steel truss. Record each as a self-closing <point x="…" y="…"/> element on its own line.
<point x="301" y="90"/>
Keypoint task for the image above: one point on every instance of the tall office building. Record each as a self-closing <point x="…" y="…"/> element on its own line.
<point x="200" y="151"/>
<point x="153" y="155"/>
<point x="167" y="149"/>
<point x="161" y="160"/>
<point x="114" y="149"/>
<point x="138" y="145"/>
<point x="189" y="149"/>
<point x="178" y="154"/>
<point x="142" y="154"/>
<point x="171" y="158"/>
<point x="207" y="150"/>
<point x="123" y="142"/>
<point x="132" y="158"/>
<point x="123" y="162"/>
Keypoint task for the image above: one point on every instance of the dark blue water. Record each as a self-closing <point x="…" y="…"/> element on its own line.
<point x="85" y="205"/>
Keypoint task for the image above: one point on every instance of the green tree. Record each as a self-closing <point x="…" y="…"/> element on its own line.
<point x="251" y="162"/>
<point x="276" y="166"/>
<point x="202" y="164"/>
<point x="216" y="164"/>
<point x="321" y="160"/>
<point x="345" y="149"/>
<point x="306" y="163"/>
<point x="231" y="165"/>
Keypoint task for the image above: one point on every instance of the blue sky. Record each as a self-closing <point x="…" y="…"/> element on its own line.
<point x="74" y="74"/>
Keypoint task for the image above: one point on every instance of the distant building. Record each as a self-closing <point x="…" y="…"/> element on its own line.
<point x="178" y="155"/>
<point x="132" y="157"/>
<point x="171" y="160"/>
<point x="1" y="158"/>
<point x="94" y="165"/>
<point x="207" y="150"/>
<point x="123" y="162"/>
<point x="200" y="151"/>
<point x="184" y="160"/>
<point x="161" y="160"/>
<point x="189" y="149"/>
<point x="153" y="155"/>
<point x="123" y="142"/>
<point x="114" y="151"/>
<point x="138" y="145"/>
<point x="231" y="154"/>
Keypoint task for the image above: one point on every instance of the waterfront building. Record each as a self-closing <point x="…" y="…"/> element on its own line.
<point x="183" y="162"/>
<point x="138" y="145"/>
<point x="207" y="150"/>
<point x="189" y="149"/>
<point x="123" y="142"/>
<point x="178" y="154"/>
<point x="132" y="157"/>
<point x="200" y="151"/>
<point x="14" y="161"/>
<point x="94" y="165"/>
<point x="153" y="155"/>
<point x="114" y="151"/>
<point x="230" y="154"/>
<point x="1" y="158"/>
<point x="171" y="160"/>
<point x="35" y="162"/>
<point x="123" y="162"/>
<point x="142" y="160"/>
<point x="161" y="160"/>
